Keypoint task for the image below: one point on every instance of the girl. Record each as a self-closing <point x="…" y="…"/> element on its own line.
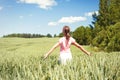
<point x="64" y="43"/>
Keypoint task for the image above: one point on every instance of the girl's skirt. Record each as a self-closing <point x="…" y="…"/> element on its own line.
<point x="65" y="57"/>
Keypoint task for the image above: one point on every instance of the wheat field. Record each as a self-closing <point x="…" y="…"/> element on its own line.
<point x="22" y="59"/>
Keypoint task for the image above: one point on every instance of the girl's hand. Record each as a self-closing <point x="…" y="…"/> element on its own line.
<point x="45" y="56"/>
<point x="89" y="54"/>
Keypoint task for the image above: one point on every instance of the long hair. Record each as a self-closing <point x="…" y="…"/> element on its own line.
<point x="66" y="31"/>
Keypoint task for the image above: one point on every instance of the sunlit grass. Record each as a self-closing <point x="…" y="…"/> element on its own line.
<point x="22" y="59"/>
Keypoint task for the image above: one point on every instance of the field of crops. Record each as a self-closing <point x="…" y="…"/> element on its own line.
<point x="21" y="59"/>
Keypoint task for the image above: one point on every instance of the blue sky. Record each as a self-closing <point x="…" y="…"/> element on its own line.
<point x="45" y="16"/>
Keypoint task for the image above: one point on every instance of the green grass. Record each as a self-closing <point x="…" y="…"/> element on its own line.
<point x="21" y="59"/>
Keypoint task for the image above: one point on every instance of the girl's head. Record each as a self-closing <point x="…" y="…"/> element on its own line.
<point x="66" y="31"/>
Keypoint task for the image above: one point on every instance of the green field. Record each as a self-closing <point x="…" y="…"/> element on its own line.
<point x="22" y="59"/>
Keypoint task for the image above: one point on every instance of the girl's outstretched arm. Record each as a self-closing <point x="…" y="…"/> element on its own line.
<point x="51" y="50"/>
<point x="81" y="48"/>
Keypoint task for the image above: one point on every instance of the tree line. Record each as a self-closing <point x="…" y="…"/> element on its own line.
<point x="27" y="35"/>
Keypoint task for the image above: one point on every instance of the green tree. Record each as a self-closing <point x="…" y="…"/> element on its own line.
<point x="104" y="32"/>
<point x="49" y="35"/>
<point x="83" y="35"/>
<point x="114" y="11"/>
<point x="114" y="39"/>
<point x="103" y="13"/>
<point x="61" y="35"/>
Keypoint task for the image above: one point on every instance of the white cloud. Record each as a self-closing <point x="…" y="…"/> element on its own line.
<point x="52" y="23"/>
<point x="1" y="8"/>
<point x="44" y="4"/>
<point x="70" y="19"/>
<point x="91" y="13"/>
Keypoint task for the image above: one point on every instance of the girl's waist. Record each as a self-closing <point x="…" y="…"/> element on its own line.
<point x="65" y="52"/>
